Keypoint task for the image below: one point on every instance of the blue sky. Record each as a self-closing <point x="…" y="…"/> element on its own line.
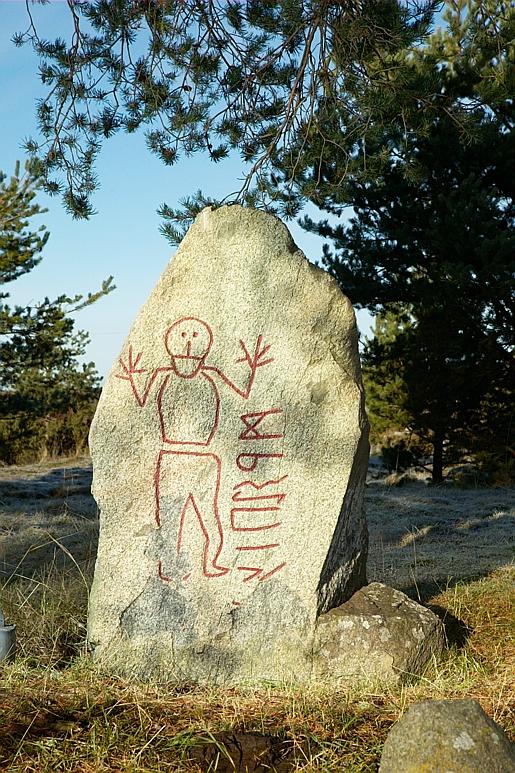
<point x="123" y="238"/>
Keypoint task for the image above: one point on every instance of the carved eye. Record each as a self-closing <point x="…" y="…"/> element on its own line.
<point x="183" y="334"/>
<point x="195" y="334"/>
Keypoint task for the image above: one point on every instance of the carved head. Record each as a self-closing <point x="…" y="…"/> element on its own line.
<point x="188" y="342"/>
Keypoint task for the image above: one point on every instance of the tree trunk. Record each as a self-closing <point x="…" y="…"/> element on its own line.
<point x="437" y="476"/>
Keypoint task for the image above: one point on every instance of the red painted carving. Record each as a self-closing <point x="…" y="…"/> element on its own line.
<point x="255" y="457"/>
<point x="272" y="572"/>
<point x="257" y="572"/>
<point x="188" y="342"/>
<point x="216" y="416"/>
<point x="252" y="422"/>
<point x="263" y="527"/>
<point x="164" y="577"/>
<point x="261" y="498"/>
<point x="259" y="486"/>
<point x="238" y="497"/>
<point x="160" y="572"/>
<point x="254" y="362"/>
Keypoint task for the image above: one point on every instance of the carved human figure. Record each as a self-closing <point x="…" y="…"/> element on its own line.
<point x="188" y="406"/>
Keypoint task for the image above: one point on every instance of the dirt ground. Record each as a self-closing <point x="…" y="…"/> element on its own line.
<point x="421" y="537"/>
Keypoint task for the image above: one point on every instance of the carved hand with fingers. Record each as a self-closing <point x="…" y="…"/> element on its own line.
<point x="131" y="367"/>
<point x="256" y="360"/>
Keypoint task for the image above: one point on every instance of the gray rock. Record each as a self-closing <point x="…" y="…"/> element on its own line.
<point x="379" y="634"/>
<point x="447" y="737"/>
<point x="229" y="451"/>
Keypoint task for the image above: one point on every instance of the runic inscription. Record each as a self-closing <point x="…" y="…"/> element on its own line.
<point x="185" y="457"/>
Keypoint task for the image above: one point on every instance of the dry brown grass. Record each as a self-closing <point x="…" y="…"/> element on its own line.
<point x="60" y="713"/>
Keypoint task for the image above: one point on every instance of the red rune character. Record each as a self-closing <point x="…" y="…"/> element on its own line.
<point x="188" y="406"/>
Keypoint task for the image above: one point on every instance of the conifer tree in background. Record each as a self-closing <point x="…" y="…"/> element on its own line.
<point x="386" y="393"/>
<point x="432" y="236"/>
<point x="210" y="76"/>
<point x="46" y="398"/>
<point x="346" y="105"/>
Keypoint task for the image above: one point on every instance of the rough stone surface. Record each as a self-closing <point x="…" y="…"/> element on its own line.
<point x="379" y="634"/>
<point x="229" y="452"/>
<point x="447" y="737"/>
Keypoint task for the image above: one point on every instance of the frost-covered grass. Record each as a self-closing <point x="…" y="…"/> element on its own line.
<point x="60" y="713"/>
<point x="422" y="537"/>
<point x="43" y="508"/>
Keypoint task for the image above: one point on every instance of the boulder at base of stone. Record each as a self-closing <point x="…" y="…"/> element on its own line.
<point x="229" y="456"/>
<point x="379" y="634"/>
<point x="445" y="736"/>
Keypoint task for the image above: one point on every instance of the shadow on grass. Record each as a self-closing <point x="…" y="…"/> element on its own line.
<point x="34" y="483"/>
<point x="48" y="518"/>
<point x="221" y="751"/>
<point x="456" y="631"/>
<point x="229" y="751"/>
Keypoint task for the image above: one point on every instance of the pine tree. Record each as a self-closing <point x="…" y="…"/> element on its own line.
<point x="383" y="379"/>
<point x="345" y="105"/>
<point x="432" y="231"/>
<point x="208" y="76"/>
<point x="46" y="398"/>
<point x="20" y="249"/>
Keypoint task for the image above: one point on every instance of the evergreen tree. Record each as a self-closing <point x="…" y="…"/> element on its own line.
<point x="20" y="249"/>
<point x="347" y="105"/>
<point x="437" y="378"/>
<point x="212" y="76"/>
<point x="383" y="379"/>
<point x="46" y="398"/>
<point x="432" y="231"/>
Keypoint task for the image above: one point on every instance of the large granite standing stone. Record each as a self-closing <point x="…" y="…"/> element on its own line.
<point x="229" y="453"/>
